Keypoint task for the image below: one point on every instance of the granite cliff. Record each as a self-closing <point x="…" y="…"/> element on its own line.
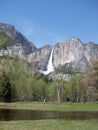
<point x="75" y="54"/>
<point x="68" y="56"/>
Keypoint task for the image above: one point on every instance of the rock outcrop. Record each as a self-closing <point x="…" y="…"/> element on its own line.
<point x="15" y="50"/>
<point x="75" y="53"/>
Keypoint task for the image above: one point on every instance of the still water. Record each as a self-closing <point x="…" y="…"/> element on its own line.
<point x="10" y="114"/>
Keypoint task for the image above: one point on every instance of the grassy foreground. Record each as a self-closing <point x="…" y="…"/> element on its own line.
<point x="51" y="124"/>
<point x="51" y="106"/>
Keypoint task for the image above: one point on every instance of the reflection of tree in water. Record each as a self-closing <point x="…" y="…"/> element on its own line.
<point x="9" y="114"/>
<point x="6" y="114"/>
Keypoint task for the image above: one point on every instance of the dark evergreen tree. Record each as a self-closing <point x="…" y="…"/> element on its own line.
<point x="6" y="91"/>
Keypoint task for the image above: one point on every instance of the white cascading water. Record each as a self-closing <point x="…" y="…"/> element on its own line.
<point x="50" y="67"/>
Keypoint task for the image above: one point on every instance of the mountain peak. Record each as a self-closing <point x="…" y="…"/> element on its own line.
<point x="75" y="39"/>
<point x="10" y="31"/>
<point x="7" y="29"/>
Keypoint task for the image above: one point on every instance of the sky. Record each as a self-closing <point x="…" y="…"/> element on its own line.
<point x="52" y="21"/>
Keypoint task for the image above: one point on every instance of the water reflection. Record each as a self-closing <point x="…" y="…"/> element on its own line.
<point x="10" y="114"/>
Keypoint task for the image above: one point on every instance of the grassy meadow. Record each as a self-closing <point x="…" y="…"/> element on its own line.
<point x="50" y="125"/>
<point x="51" y="106"/>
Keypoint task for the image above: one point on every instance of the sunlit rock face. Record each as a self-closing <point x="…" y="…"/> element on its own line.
<point x="68" y="51"/>
<point x="76" y="53"/>
<point x="15" y="50"/>
<point x="41" y="57"/>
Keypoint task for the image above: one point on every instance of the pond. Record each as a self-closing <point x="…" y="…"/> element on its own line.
<point x="13" y="114"/>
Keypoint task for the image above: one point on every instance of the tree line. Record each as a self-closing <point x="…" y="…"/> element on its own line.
<point x="18" y="82"/>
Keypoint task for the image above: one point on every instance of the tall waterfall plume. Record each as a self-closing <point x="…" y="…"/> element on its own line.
<point x="50" y="67"/>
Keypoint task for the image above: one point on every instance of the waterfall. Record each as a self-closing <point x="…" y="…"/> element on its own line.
<point x="50" y="67"/>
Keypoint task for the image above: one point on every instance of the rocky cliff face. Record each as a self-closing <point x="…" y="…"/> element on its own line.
<point x="15" y="50"/>
<point x="26" y="46"/>
<point x="71" y="55"/>
<point x="41" y="57"/>
<point x="75" y="53"/>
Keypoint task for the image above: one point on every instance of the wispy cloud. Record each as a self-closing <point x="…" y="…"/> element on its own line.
<point x="39" y="34"/>
<point x="26" y="27"/>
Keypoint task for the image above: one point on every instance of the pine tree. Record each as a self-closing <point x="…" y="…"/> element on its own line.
<point x="6" y="92"/>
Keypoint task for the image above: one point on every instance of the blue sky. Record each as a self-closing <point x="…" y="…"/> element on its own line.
<point x="51" y="21"/>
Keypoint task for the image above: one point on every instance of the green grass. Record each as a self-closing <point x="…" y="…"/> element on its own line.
<point x="51" y="106"/>
<point x="50" y="125"/>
